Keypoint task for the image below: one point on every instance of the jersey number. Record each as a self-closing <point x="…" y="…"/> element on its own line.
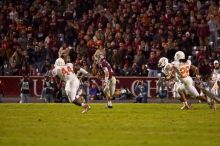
<point x="66" y="71"/>
<point x="184" y="71"/>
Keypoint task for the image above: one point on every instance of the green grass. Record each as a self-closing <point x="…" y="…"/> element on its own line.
<point x="124" y="125"/>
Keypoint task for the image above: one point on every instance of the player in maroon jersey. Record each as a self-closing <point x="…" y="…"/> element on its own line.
<point x="109" y="79"/>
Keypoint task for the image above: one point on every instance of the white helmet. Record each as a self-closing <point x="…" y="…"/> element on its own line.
<point x="59" y="62"/>
<point x="162" y="62"/>
<point x="179" y="55"/>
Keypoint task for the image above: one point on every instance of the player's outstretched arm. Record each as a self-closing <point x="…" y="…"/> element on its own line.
<point x="195" y="71"/>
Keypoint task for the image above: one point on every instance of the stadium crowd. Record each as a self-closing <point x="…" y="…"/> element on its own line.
<point x="135" y="34"/>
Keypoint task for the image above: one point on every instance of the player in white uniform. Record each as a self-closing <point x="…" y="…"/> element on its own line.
<point x="167" y="70"/>
<point x="66" y="72"/>
<point x="216" y="78"/>
<point x="182" y="67"/>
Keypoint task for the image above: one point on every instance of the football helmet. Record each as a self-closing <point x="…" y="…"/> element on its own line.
<point x="162" y="62"/>
<point x="179" y="55"/>
<point x="59" y="62"/>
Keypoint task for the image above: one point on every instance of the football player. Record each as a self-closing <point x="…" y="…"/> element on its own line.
<point x="167" y="70"/>
<point x="67" y="73"/>
<point x="109" y="79"/>
<point x="216" y="78"/>
<point x="182" y="67"/>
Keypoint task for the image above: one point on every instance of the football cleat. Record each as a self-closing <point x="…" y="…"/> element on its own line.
<point x="86" y="109"/>
<point x="109" y="106"/>
<point x="185" y="107"/>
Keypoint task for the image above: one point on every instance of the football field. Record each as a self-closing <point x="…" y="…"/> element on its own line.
<point x="127" y="124"/>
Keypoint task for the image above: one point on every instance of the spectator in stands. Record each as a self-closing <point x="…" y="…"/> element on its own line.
<point x="204" y="67"/>
<point x="116" y="59"/>
<point x="139" y="58"/>
<point x="144" y="70"/>
<point x="214" y="27"/>
<point x="16" y="58"/>
<point x="46" y="67"/>
<point x="100" y="50"/>
<point x="39" y="58"/>
<point x="203" y="32"/>
<point x="129" y="55"/>
<point x="135" y="70"/>
<point x="64" y="51"/>
<point x="81" y="49"/>
<point x="152" y="65"/>
<point x="125" y="71"/>
<point x="24" y="70"/>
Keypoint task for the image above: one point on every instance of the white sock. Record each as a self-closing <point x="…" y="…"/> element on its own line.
<point x="186" y="103"/>
<point x="110" y="103"/>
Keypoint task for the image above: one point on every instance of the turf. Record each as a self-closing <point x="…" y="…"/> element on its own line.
<point x="124" y="125"/>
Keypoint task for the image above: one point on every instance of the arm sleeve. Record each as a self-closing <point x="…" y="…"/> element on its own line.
<point x="83" y="71"/>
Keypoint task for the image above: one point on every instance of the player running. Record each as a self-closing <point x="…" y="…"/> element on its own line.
<point x="182" y="67"/>
<point x="167" y="70"/>
<point x="67" y="73"/>
<point x="109" y="79"/>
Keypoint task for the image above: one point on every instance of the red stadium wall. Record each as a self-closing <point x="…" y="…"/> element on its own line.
<point x="12" y="88"/>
